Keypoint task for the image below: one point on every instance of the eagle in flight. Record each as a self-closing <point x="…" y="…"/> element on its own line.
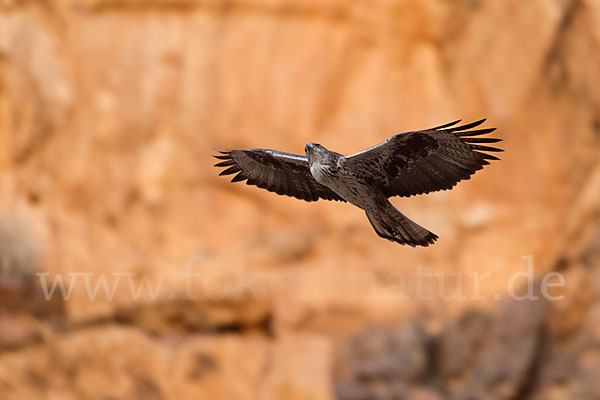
<point x="406" y="164"/>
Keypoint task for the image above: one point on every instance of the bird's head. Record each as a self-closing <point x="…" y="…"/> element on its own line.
<point x="319" y="155"/>
<point x="313" y="150"/>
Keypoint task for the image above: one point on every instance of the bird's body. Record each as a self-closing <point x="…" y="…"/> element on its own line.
<point x="404" y="165"/>
<point x="327" y="169"/>
<point x="349" y="184"/>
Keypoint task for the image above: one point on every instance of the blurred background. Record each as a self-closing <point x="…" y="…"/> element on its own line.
<point x="180" y="285"/>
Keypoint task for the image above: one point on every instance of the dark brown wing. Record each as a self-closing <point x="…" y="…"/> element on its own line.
<point x="282" y="173"/>
<point x="425" y="161"/>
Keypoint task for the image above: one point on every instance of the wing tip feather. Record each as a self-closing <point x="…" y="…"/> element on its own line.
<point x="231" y="170"/>
<point x="486" y="148"/>
<point x="476" y="143"/>
<point x="476" y="132"/>
<point x="225" y="163"/>
<point x="451" y="128"/>
<point x="487" y="156"/>
<point x="238" y="178"/>
<point x="449" y="124"/>
<point x="222" y="150"/>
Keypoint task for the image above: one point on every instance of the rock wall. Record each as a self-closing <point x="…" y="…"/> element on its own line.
<point x="110" y="110"/>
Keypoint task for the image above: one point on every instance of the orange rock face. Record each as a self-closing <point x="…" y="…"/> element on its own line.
<point x="178" y="284"/>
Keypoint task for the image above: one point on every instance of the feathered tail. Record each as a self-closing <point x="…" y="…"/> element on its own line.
<point x="391" y="224"/>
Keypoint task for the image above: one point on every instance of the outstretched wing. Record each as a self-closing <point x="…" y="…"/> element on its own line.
<point x="425" y="161"/>
<point x="282" y="173"/>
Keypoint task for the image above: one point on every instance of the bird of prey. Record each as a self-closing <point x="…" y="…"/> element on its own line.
<point x="406" y="164"/>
